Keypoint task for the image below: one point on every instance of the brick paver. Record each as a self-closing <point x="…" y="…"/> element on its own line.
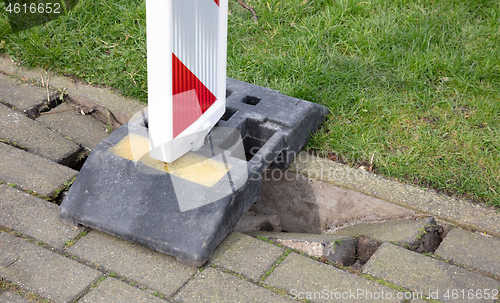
<point x="30" y="172"/>
<point x="473" y="250"/>
<point x="82" y="129"/>
<point x="48" y="274"/>
<point x="34" y="217"/>
<point x="151" y="268"/>
<point x="305" y="278"/>
<point x="420" y="273"/>
<point x="213" y="285"/>
<point x="23" y="96"/>
<point x="39" y="140"/>
<point x="246" y="256"/>
<point x="113" y="290"/>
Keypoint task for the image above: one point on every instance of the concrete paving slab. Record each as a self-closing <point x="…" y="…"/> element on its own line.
<point x="416" y="234"/>
<point x="11" y="68"/>
<point x="120" y="107"/>
<point x="245" y="255"/>
<point x="473" y="250"/>
<point x="34" y="217"/>
<point x="23" y="96"/>
<point x="305" y="278"/>
<point x="30" y="172"/>
<point x="113" y="290"/>
<point x="10" y="297"/>
<point x="419" y="273"/>
<point x="84" y="130"/>
<point x="309" y="206"/>
<point x="38" y="140"/>
<point x="339" y="249"/>
<point x="456" y="211"/>
<point x="50" y="275"/>
<point x="213" y="285"/>
<point x="151" y="268"/>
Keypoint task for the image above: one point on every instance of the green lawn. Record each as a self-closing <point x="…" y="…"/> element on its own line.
<point x="413" y="84"/>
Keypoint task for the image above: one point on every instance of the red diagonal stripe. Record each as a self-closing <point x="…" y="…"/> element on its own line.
<point x="184" y="110"/>
<point x="217" y="2"/>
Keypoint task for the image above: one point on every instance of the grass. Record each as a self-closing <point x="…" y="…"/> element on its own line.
<point x="412" y="86"/>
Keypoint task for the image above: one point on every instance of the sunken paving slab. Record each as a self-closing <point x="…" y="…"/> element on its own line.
<point x="148" y="267"/>
<point x="36" y="269"/>
<point x="459" y="212"/>
<point x="308" y="206"/>
<point x="416" y="234"/>
<point x="213" y="285"/>
<point x="10" y="297"/>
<point x="113" y="290"/>
<point x="339" y="249"/>
<point x="22" y="96"/>
<point x="33" y="173"/>
<point x="34" y="217"/>
<point x="308" y="279"/>
<point x="39" y="140"/>
<point x="82" y="129"/>
<point x="245" y="255"/>
<point x="419" y="273"/>
<point x="473" y="250"/>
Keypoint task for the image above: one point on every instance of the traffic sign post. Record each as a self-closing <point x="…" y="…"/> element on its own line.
<point x="160" y="180"/>
<point x="186" y="53"/>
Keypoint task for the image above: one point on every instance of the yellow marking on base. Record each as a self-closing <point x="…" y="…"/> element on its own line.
<point x="192" y="167"/>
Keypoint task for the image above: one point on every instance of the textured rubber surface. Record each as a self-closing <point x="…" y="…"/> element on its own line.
<point x="172" y="213"/>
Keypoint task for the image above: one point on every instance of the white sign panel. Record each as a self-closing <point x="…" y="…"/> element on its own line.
<point x="186" y="48"/>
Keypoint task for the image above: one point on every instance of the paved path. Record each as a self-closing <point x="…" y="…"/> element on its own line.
<point x="43" y="142"/>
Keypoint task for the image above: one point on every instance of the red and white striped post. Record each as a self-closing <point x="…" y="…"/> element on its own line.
<point x="186" y="54"/>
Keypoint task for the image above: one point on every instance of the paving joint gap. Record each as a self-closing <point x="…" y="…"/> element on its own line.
<point x="193" y="276"/>
<point x="9" y="286"/>
<point x="275" y="265"/>
<point x="73" y="241"/>
<point x="13" y="144"/>
<point x="258" y="283"/>
<point x="92" y="285"/>
<point x="391" y="285"/>
<point x="463" y="266"/>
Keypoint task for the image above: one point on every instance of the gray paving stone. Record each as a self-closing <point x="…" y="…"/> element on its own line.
<point x="113" y="290"/>
<point x="84" y="130"/>
<point x="43" y="272"/>
<point x="121" y="108"/>
<point x="11" y="68"/>
<point x="417" y="234"/>
<point x="213" y="285"/>
<point x="420" y="273"/>
<point x="146" y="266"/>
<point x="473" y="250"/>
<point x="31" y="172"/>
<point x="38" y="139"/>
<point x="23" y="96"/>
<point x="245" y="255"/>
<point x="305" y="278"/>
<point x="34" y="217"/>
<point x="10" y="297"/>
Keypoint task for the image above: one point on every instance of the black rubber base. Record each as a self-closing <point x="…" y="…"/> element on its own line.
<point x="178" y="215"/>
